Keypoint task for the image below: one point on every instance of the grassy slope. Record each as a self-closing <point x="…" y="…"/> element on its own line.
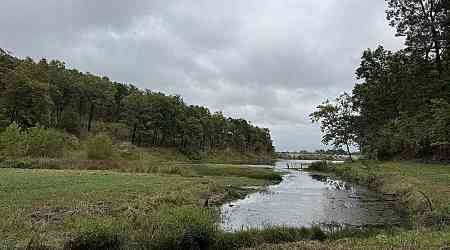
<point x="49" y="201"/>
<point x="138" y="160"/>
<point x="160" y="154"/>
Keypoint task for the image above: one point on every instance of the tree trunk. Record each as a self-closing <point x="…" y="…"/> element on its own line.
<point x="91" y="117"/>
<point x="349" y="153"/>
<point x="133" y="137"/>
<point x="437" y="48"/>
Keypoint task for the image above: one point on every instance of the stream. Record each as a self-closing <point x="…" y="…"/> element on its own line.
<point x="303" y="199"/>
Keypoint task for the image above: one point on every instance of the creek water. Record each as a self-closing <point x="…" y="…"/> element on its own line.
<point x="305" y="199"/>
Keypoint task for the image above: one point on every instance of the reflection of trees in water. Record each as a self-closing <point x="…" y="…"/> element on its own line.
<point x="339" y="185"/>
<point x="333" y="184"/>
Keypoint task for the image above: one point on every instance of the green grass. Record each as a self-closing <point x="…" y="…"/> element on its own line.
<point x="423" y="239"/>
<point x="139" y="205"/>
<point x="48" y="202"/>
<point x="131" y="159"/>
<point x="233" y="170"/>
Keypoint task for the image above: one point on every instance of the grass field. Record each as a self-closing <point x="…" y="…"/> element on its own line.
<point x="138" y="206"/>
<point x="47" y="203"/>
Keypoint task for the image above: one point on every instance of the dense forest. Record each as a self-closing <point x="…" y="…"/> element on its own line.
<point x="400" y="106"/>
<point x="47" y="94"/>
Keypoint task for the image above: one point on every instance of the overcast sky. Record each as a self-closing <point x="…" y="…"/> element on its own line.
<point x="268" y="61"/>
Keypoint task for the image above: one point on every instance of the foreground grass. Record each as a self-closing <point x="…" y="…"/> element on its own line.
<point x="412" y="240"/>
<point x="49" y="204"/>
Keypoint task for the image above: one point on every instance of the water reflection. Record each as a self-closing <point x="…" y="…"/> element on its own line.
<point x="303" y="199"/>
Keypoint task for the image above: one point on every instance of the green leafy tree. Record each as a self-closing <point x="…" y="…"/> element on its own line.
<point x="423" y="23"/>
<point x="44" y="142"/>
<point x="13" y="142"/>
<point x="337" y="122"/>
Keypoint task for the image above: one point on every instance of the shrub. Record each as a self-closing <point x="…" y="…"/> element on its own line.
<point x="71" y="142"/>
<point x="116" y="131"/>
<point x="13" y="142"/>
<point x="180" y="228"/>
<point x="23" y="164"/>
<point x="95" y="235"/>
<point x="193" y="154"/>
<point x="99" y="147"/>
<point x="70" y="121"/>
<point x="269" y="235"/>
<point x="321" y="166"/>
<point x="318" y="234"/>
<point x="128" y="151"/>
<point x="45" y="142"/>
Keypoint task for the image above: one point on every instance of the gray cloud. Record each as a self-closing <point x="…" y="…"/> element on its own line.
<point x="268" y="61"/>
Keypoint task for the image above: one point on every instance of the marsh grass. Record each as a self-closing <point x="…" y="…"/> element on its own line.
<point x="268" y="235"/>
<point x="96" y="234"/>
<point x="48" y="201"/>
<point x="179" y="228"/>
<point x="146" y="167"/>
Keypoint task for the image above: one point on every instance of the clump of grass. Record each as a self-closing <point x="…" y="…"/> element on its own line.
<point x="196" y="228"/>
<point x="168" y="169"/>
<point x="179" y="228"/>
<point x="269" y="235"/>
<point x="96" y="235"/>
<point x="36" y="244"/>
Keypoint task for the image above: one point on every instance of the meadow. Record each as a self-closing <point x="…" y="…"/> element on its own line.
<point x="48" y="205"/>
<point x="156" y="198"/>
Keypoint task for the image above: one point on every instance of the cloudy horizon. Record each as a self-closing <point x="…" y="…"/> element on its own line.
<point x="267" y="61"/>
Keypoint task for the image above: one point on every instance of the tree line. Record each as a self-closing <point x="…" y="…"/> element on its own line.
<point x="50" y="95"/>
<point x="400" y="106"/>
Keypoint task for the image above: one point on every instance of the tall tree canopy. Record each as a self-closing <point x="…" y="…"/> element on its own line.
<point x="424" y="23"/>
<point x="337" y="122"/>
<point x="401" y="100"/>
